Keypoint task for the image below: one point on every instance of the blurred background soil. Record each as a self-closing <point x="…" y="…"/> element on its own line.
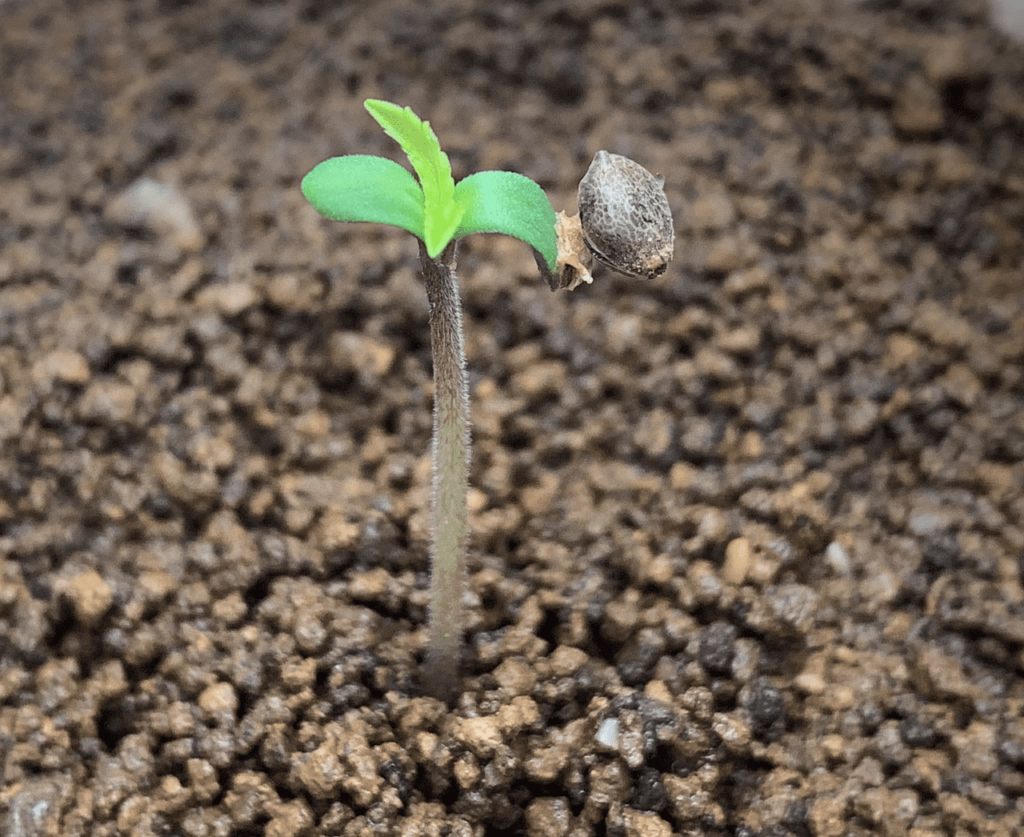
<point x="747" y="539"/>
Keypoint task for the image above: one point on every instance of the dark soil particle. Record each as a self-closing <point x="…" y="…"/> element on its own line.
<point x="748" y="552"/>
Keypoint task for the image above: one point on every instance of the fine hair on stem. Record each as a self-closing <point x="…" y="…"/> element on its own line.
<point x="450" y="468"/>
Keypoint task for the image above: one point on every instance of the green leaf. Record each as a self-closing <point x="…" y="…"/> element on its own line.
<point x="441" y="213"/>
<point x="509" y="203"/>
<point x="359" y="187"/>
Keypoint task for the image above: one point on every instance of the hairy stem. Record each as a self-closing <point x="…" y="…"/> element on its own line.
<point x="451" y="475"/>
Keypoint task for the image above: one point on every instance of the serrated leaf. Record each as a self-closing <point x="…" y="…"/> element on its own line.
<point x="509" y="203"/>
<point x="359" y="187"/>
<point x="441" y="213"/>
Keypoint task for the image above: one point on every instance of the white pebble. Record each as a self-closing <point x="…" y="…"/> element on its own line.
<point x="608" y="733"/>
<point x="160" y="209"/>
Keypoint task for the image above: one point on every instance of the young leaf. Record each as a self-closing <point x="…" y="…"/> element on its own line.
<point x="359" y="187"/>
<point x="441" y="213"/>
<point x="509" y="203"/>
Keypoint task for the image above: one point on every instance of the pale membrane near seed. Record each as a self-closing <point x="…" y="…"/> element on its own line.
<point x="574" y="257"/>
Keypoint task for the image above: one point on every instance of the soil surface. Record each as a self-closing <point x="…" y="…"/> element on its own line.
<point x="747" y="538"/>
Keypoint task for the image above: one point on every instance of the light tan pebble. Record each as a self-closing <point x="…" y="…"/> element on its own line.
<point x="738" y="560"/>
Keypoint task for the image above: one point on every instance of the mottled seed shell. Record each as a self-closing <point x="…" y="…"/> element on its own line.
<point x="625" y="215"/>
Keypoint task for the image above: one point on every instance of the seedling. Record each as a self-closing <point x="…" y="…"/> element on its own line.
<point x="619" y="202"/>
<point x="438" y="212"/>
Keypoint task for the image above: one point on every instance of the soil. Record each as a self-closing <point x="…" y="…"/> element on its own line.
<point x="747" y="538"/>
